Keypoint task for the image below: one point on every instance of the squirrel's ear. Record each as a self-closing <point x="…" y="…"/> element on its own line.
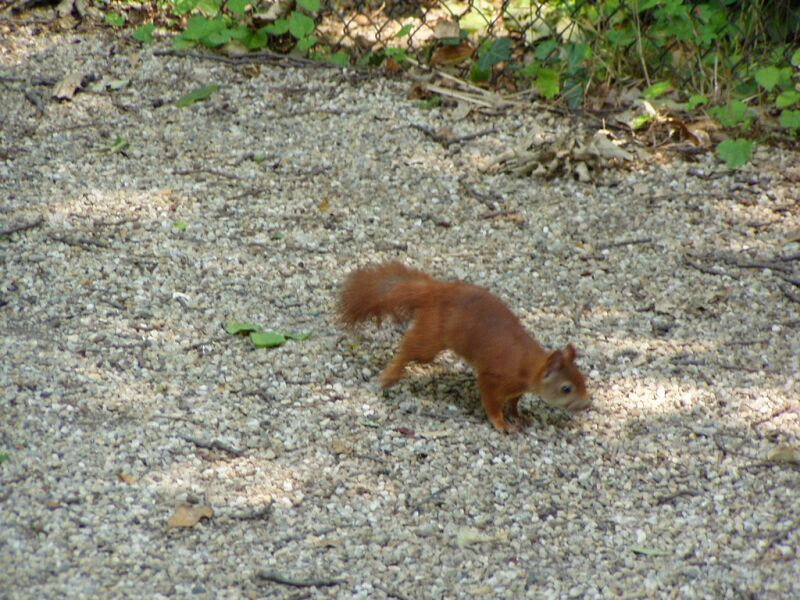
<point x="555" y="362"/>
<point x="569" y="353"/>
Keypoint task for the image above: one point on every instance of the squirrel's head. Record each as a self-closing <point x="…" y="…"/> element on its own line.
<point x="561" y="384"/>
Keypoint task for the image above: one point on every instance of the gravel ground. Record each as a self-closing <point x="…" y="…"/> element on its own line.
<point x="123" y="398"/>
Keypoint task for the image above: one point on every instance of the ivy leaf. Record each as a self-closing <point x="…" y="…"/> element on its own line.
<point x="237" y="327"/>
<point x="181" y="7"/>
<point x="237" y="7"/>
<point x="404" y="31"/>
<point x="267" y="339"/>
<point x="340" y="58"/>
<point x="115" y="19"/>
<point x="311" y="6"/>
<point x="657" y="89"/>
<point x="696" y="100"/>
<point x="790" y="119"/>
<point x="144" y="33"/>
<point x="787" y="98"/>
<point x="547" y="82"/>
<point x="279" y="27"/>
<point x="304" y="44"/>
<point x="499" y="51"/>
<point x="736" y="152"/>
<point x="796" y="58"/>
<point x="300" y="25"/>
<point x="197" y="95"/>
<point x="768" y="77"/>
<point x="730" y="115"/>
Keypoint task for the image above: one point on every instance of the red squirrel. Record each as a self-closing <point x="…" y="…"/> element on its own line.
<point x="473" y="323"/>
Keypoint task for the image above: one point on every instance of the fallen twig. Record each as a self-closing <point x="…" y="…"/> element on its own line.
<point x="619" y="243"/>
<point x="22" y="227"/>
<point x="212" y="445"/>
<point x="82" y="242"/>
<point x="299" y="583"/>
<point x="262" y="57"/>
<point x="707" y="270"/>
<point x="779" y="537"/>
<point x="784" y="409"/>
<point x="208" y="170"/>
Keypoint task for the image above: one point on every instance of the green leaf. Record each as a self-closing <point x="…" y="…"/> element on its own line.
<point x="544" y="50"/>
<point x="736" y="152"/>
<point x="657" y="89"/>
<point x="267" y="339"/>
<point x="306" y="43"/>
<point x="640" y="121"/>
<point x="200" y="93"/>
<point x="237" y="7"/>
<point x="179" y="225"/>
<point x="3" y="457"/>
<point x="790" y="119"/>
<point x="144" y="33"/>
<point x="795" y="60"/>
<point x="696" y="100"/>
<point x="406" y="29"/>
<point x="199" y="27"/>
<point x="259" y="157"/>
<point x="730" y="115"/>
<point x="311" y="6"/>
<point x="181" y="7"/>
<point x="787" y="98"/>
<point x="299" y="336"/>
<point x="279" y="27"/>
<point x="236" y="327"/>
<point x="210" y="8"/>
<point x="115" y="19"/>
<point x="340" y="58"/>
<point x="648" y="551"/>
<point x="477" y="74"/>
<point x="768" y="77"/>
<point x="499" y="51"/>
<point x="547" y="83"/>
<point x="118" y="146"/>
<point x="300" y="25"/>
<point x="396" y="54"/>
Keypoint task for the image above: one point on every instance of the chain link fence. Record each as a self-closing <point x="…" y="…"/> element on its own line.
<point x="706" y="47"/>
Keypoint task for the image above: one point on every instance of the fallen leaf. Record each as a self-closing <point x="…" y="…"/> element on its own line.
<point x="65" y="89"/>
<point x="432" y="435"/>
<point x="126" y="478"/>
<point x="451" y="55"/>
<point x="785" y="454"/>
<point x="648" y="551"/>
<point x="187" y="515"/>
<point x="446" y="28"/>
<point x="469" y="535"/>
<point x="405" y="431"/>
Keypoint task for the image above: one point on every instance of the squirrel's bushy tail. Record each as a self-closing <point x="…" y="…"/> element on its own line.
<point x="388" y="289"/>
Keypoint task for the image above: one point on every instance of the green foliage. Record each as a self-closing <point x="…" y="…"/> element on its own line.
<point x="790" y="119"/>
<point x="115" y="19"/>
<point x="197" y="95"/>
<point x="3" y="457"/>
<point x="144" y="33"/>
<point x="733" y="114"/>
<point x="736" y="152"/>
<point x="263" y="339"/>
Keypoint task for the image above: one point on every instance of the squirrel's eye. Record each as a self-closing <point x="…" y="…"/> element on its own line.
<point x="566" y="389"/>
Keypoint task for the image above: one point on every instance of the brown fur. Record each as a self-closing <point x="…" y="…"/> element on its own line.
<point x="474" y="324"/>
